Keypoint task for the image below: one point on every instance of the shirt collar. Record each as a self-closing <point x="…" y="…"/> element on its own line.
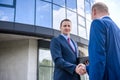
<point x="65" y="36"/>
<point x="104" y="16"/>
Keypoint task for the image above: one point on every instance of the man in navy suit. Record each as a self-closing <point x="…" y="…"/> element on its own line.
<point x="104" y="45"/>
<point x="64" y="53"/>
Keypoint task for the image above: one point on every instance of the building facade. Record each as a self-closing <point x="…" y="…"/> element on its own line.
<point x="26" y="29"/>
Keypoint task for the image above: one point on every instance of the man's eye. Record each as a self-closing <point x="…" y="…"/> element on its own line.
<point x="68" y="25"/>
<point x="65" y="25"/>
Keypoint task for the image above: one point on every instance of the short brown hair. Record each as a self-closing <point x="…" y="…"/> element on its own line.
<point x="100" y="7"/>
<point x="63" y="21"/>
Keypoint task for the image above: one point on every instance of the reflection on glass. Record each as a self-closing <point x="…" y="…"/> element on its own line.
<point x="88" y="10"/>
<point x="48" y="0"/>
<point x="71" y="4"/>
<point x="73" y="17"/>
<point x="45" y="64"/>
<point x="45" y="57"/>
<point x="82" y="32"/>
<point x="91" y="1"/>
<point x="45" y="73"/>
<point x="81" y="21"/>
<point x="25" y="11"/>
<point x="58" y="15"/>
<point x="6" y="14"/>
<point x="80" y="7"/>
<point x="43" y="14"/>
<point x="7" y="2"/>
<point x="59" y="2"/>
<point x="88" y="23"/>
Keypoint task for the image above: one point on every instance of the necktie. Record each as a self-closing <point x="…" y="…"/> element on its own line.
<point x="69" y="43"/>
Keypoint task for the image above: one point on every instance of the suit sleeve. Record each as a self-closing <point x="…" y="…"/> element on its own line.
<point x="58" y="59"/>
<point x="97" y="54"/>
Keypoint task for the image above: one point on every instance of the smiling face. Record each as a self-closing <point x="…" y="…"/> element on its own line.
<point x="65" y="27"/>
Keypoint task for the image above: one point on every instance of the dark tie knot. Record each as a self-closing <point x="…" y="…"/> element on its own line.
<point x="68" y="40"/>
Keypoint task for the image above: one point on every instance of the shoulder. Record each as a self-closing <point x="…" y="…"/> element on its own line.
<point x="55" y="42"/>
<point x="98" y="24"/>
<point x="97" y="21"/>
<point x="56" y="39"/>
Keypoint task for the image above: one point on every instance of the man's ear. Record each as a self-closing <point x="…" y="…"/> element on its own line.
<point x="94" y="12"/>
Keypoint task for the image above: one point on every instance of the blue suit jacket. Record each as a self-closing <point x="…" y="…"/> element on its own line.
<point x="64" y="58"/>
<point x="104" y="50"/>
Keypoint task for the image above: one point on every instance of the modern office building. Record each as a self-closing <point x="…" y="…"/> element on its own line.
<point x="26" y="29"/>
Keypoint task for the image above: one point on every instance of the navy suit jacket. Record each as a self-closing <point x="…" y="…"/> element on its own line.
<point x="65" y="59"/>
<point x="104" y="50"/>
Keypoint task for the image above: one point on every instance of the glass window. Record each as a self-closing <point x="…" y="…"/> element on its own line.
<point x="81" y="21"/>
<point x="48" y="0"/>
<point x="25" y="11"/>
<point x="71" y="4"/>
<point x="82" y="32"/>
<point x="88" y="23"/>
<point x="59" y="2"/>
<point x="6" y="14"/>
<point x="88" y="10"/>
<point x="45" y="73"/>
<point x="45" y="64"/>
<point x="43" y="14"/>
<point x="91" y="1"/>
<point x="58" y="15"/>
<point x="73" y="17"/>
<point x="7" y="2"/>
<point x="80" y="7"/>
<point x="45" y="57"/>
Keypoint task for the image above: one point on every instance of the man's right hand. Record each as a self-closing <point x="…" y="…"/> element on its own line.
<point x="80" y="69"/>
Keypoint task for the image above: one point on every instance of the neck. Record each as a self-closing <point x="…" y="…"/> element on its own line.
<point x="66" y="34"/>
<point x="102" y="15"/>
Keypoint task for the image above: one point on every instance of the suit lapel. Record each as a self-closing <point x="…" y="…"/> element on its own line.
<point x="74" y="45"/>
<point x="66" y="43"/>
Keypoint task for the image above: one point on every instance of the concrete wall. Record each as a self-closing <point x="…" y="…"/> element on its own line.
<point x="18" y="60"/>
<point x="32" y="60"/>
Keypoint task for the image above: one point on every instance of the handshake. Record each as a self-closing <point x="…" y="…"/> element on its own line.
<point x="80" y="69"/>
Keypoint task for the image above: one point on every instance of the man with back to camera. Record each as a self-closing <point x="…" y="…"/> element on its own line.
<point x="104" y="45"/>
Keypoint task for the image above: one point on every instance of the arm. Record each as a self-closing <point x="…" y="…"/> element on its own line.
<point x="97" y="54"/>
